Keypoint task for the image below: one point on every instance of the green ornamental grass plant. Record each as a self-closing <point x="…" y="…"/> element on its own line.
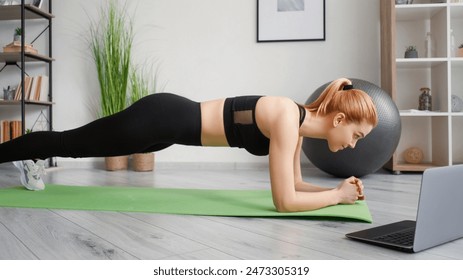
<point x="121" y="84"/>
<point x="139" y="86"/>
<point x="111" y="44"/>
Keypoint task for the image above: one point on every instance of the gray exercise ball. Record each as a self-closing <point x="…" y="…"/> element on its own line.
<point x="370" y="153"/>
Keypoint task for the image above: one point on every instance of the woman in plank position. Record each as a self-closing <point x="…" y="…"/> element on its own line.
<point x="263" y="125"/>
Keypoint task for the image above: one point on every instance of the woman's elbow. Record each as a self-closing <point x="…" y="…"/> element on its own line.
<point x="284" y="206"/>
<point x="294" y="205"/>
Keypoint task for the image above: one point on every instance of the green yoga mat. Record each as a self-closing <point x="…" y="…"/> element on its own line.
<point x="238" y="203"/>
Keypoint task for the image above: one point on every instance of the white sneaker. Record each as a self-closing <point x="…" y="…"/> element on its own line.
<point x="31" y="174"/>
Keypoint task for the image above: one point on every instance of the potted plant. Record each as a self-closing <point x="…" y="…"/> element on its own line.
<point x="411" y="52"/>
<point x="17" y="34"/>
<point x="460" y="51"/>
<point x="139" y="88"/>
<point x="111" y="45"/>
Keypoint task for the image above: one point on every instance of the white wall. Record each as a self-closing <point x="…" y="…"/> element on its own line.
<point x="205" y="49"/>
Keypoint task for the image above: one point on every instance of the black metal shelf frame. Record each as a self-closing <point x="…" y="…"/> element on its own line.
<point x="23" y="61"/>
<point x="34" y="13"/>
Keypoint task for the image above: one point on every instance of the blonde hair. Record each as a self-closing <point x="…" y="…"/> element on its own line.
<point x="354" y="103"/>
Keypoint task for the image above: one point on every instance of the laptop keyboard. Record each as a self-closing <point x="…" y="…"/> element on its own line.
<point x="404" y="237"/>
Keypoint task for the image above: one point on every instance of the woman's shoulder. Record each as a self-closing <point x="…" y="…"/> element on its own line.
<point x="272" y="110"/>
<point x="277" y="102"/>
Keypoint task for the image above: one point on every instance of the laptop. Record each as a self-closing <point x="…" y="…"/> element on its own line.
<point x="438" y="218"/>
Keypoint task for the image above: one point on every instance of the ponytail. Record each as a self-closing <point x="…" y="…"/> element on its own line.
<point x="340" y="96"/>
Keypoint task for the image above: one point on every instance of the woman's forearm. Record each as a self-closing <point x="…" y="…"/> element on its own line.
<point x="307" y="187"/>
<point x="306" y="201"/>
<point x="347" y="192"/>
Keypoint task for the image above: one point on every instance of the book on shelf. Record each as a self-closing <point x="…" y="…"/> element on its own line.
<point x="36" y="89"/>
<point x="10" y="130"/>
<point x="27" y="86"/>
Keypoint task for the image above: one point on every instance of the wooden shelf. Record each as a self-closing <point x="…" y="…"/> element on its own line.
<point x="408" y="167"/>
<point x="13" y="12"/>
<point x="30" y="57"/>
<point x="30" y="102"/>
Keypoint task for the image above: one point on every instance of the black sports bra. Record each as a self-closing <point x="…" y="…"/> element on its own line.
<point x="241" y="128"/>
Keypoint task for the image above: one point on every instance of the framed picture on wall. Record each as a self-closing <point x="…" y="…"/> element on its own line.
<point x="290" y="20"/>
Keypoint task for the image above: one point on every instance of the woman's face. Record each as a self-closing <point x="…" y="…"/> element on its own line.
<point x="345" y="135"/>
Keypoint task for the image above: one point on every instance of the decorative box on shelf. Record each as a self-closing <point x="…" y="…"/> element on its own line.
<point x="15" y="47"/>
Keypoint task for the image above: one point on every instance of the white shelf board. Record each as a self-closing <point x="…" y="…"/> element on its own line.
<point x="418" y="113"/>
<point x="413" y="12"/>
<point x="457" y="61"/>
<point x="420" y="62"/>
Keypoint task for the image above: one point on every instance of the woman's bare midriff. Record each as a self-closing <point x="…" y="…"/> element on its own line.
<point x="212" y="130"/>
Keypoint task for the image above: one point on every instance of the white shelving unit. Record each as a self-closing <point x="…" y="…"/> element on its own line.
<point x="438" y="133"/>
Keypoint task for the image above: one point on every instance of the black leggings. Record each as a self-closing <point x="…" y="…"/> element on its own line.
<point x="151" y="124"/>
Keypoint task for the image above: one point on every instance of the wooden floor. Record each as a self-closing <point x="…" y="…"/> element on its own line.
<point x="58" y="234"/>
